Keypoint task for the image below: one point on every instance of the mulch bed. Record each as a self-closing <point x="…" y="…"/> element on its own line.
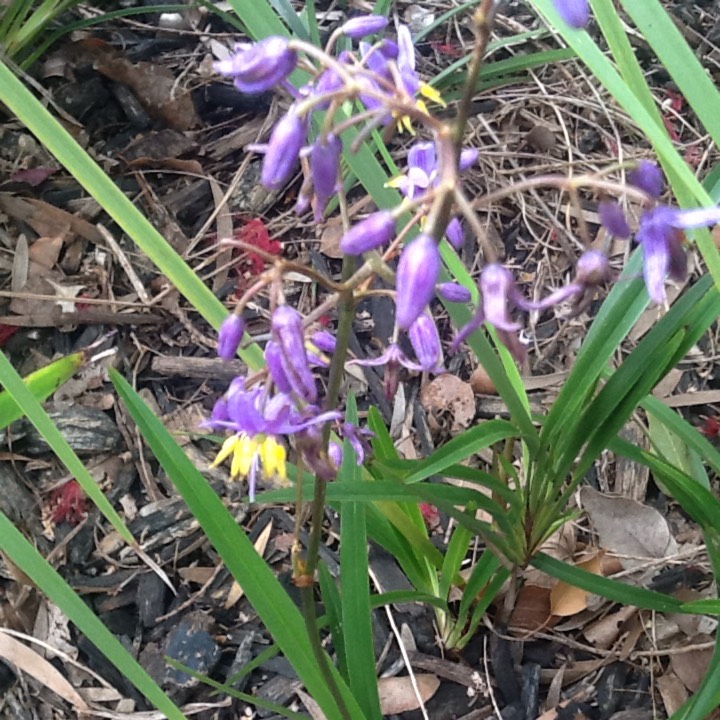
<point x="145" y="103"/>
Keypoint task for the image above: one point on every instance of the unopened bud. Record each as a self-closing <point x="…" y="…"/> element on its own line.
<point x="425" y="339"/>
<point x="454" y="292"/>
<point x="417" y="274"/>
<point x="613" y="218"/>
<point x="376" y="230"/>
<point x="230" y="336"/>
<point x="576" y="13"/>
<point x="360" y="27"/>
<point x="283" y="150"/>
<point x="648" y="177"/>
<point x="260" y="66"/>
<point x="455" y="234"/>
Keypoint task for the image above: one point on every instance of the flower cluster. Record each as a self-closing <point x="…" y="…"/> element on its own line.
<point x="373" y="83"/>
<point x="262" y="415"/>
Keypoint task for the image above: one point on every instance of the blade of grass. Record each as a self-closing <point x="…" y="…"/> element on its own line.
<point x="354" y="578"/>
<point x="42" y="384"/>
<point x="278" y="612"/>
<point x="28" y="559"/>
<point x="676" y="56"/>
<point x="89" y="174"/>
<point x="35" y="413"/>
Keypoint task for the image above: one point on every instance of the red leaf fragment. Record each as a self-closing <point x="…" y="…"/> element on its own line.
<point x="6" y="332"/>
<point x="69" y="503"/>
<point x="431" y="515"/>
<point x="33" y="176"/>
<point x="711" y="427"/>
<point x="255" y="233"/>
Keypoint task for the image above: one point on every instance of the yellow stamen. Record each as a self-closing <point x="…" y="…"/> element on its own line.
<point x="226" y="450"/>
<point x="273" y="457"/>
<point x="431" y="93"/>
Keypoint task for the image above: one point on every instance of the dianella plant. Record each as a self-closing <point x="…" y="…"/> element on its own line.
<point x="291" y="419"/>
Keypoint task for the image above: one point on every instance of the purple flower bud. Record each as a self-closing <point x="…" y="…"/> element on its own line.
<point x="360" y="27"/>
<point x="324" y="340"/>
<point x="613" y="218"/>
<point x="455" y="234"/>
<point x="498" y="292"/>
<point x="575" y="13"/>
<point x="283" y="150"/>
<point x="328" y="82"/>
<point x="417" y="274"/>
<point x="593" y="268"/>
<point x="274" y="362"/>
<point x="468" y="158"/>
<point x="454" y="292"/>
<point x="389" y="48"/>
<point x="372" y="232"/>
<point x="424" y="338"/>
<point x="287" y="330"/>
<point x="335" y="453"/>
<point x="220" y="412"/>
<point x="230" y="335"/>
<point x="325" y="169"/>
<point x="648" y="177"/>
<point x="259" y="67"/>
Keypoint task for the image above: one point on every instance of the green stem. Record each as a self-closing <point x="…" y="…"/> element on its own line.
<point x="308" y="610"/>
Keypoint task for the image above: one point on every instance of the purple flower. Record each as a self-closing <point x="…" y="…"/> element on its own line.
<point x="335" y="453"/>
<point x="258" y="420"/>
<point x="425" y="339"/>
<point x="406" y="60"/>
<point x="660" y="236"/>
<point x="499" y="295"/>
<point x="372" y="232"/>
<point x="575" y="13"/>
<point x="259" y="66"/>
<point x="455" y="233"/>
<point x="421" y="172"/>
<point x="417" y="274"/>
<point x="283" y="150"/>
<point x="613" y="218"/>
<point x="593" y="269"/>
<point x="276" y="367"/>
<point x="454" y="292"/>
<point x="648" y="177"/>
<point x="287" y="330"/>
<point x="325" y="170"/>
<point x="363" y="26"/>
<point x="230" y="336"/>
<point x="324" y="340"/>
<point x="468" y="158"/>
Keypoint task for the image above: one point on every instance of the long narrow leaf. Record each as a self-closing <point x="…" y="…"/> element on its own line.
<point x="44" y="575"/>
<point x="278" y="612"/>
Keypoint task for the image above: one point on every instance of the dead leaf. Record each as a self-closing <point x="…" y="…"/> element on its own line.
<point x="30" y="662"/>
<point x="481" y="383"/>
<point x="692" y="666"/>
<point x="155" y="87"/>
<point x="236" y="592"/>
<point x="565" y="599"/>
<point x="532" y="610"/>
<point x="672" y="691"/>
<point x="628" y="528"/>
<point x="604" y="632"/>
<point x="21" y="264"/>
<point x="397" y="694"/>
<point x="330" y="241"/>
<point x="450" y="394"/>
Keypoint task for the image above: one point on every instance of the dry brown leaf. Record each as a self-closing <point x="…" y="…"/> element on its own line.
<point x="330" y="241"/>
<point x="45" y="251"/>
<point x="604" y="632"/>
<point x="628" y="528"/>
<point x="397" y="694"/>
<point x="30" y="662"/>
<point x="532" y="610"/>
<point x="155" y="87"/>
<point x="236" y="592"/>
<point x="692" y="666"/>
<point x="450" y="394"/>
<point x="481" y="383"/>
<point x="21" y="264"/>
<point x="672" y="691"/>
<point x="565" y="599"/>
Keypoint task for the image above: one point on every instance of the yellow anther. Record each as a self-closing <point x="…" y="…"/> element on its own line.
<point x="242" y="460"/>
<point x="431" y="93"/>
<point x="226" y="450"/>
<point x="273" y="457"/>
